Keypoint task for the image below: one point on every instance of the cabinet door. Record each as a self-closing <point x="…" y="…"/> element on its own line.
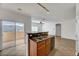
<point x="48" y="46"/>
<point x="41" y="48"/>
<point x="33" y="48"/>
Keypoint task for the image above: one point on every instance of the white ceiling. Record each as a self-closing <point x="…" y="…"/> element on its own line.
<point x="58" y="11"/>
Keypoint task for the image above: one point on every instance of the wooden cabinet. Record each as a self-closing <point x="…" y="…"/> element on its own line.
<point x="41" y="48"/>
<point x="48" y="46"/>
<point x="33" y="48"/>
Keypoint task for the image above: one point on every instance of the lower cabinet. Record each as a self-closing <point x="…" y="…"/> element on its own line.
<point x="41" y="48"/>
<point x="48" y="46"/>
<point x="32" y="48"/>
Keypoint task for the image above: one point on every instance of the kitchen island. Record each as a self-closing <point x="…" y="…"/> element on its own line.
<point x="41" y="45"/>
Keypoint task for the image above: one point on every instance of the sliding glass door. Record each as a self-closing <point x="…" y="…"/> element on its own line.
<point x="20" y="42"/>
<point x="8" y="36"/>
<point x="13" y="39"/>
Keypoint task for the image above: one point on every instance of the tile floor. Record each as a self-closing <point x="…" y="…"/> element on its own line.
<point x="14" y="51"/>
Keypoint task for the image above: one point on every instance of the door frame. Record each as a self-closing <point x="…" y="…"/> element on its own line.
<point x="56" y="30"/>
<point x="14" y="32"/>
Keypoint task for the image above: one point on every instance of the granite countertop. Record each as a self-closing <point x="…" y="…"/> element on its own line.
<point x="38" y="39"/>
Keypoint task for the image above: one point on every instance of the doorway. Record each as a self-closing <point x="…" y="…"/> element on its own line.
<point x="58" y="30"/>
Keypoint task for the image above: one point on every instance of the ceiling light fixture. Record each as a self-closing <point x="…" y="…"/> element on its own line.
<point x="43" y="7"/>
<point x="19" y="9"/>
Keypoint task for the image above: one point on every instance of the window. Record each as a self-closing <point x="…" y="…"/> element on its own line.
<point x="34" y="29"/>
<point x="19" y="27"/>
<point x="8" y="26"/>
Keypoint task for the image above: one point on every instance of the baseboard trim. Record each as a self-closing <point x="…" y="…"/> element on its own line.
<point x="67" y="38"/>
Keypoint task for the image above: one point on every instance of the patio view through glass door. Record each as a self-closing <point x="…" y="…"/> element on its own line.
<point x="8" y="41"/>
<point x="20" y="42"/>
<point x="13" y="38"/>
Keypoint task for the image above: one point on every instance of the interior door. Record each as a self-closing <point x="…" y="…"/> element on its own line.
<point x="58" y="29"/>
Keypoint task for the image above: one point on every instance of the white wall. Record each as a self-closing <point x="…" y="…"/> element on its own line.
<point x="49" y="27"/>
<point x="77" y="35"/>
<point x="68" y="29"/>
<point x="0" y="35"/>
<point x="15" y="16"/>
<point x="27" y="29"/>
<point x="77" y="28"/>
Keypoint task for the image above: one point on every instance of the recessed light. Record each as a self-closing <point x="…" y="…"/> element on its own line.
<point x="19" y="9"/>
